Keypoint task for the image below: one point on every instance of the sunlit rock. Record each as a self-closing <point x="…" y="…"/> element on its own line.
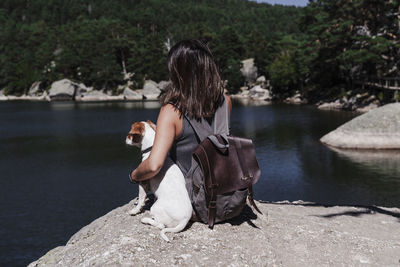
<point x="249" y="71"/>
<point x="35" y="89"/>
<point x="296" y="99"/>
<point x="63" y="90"/>
<point x="259" y="93"/>
<point x="129" y="94"/>
<point x="151" y="90"/>
<point x="3" y="97"/>
<point x="286" y="234"/>
<point x="96" y="95"/>
<point x="163" y="85"/>
<point x="261" y="79"/>
<point x="331" y="105"/>
<point x="376" y="129"/>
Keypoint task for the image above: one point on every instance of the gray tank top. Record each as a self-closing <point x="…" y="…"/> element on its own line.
<point x="184" y="145"/>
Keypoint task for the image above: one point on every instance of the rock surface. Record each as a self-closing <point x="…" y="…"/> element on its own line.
<point x="331" y="105"/>
<point x="35" y="89"/>
<point x="163" y="85"/>
<point x="95" y="95"/>
<point x="353" y="101"/>
<point x="131" y="95"/>
<point x="377" y="129"/>
<point x="63" y="90"/>
<point x="248" y="70"/>
<point x="151" y="90"/>
<point x="296" y="99"/>
<point x="259" y="93"/>
<point x="287" y="234"/>
<point x="2" y="96"/>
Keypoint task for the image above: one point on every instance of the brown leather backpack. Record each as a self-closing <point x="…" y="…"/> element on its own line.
<point x="224" y="169"/>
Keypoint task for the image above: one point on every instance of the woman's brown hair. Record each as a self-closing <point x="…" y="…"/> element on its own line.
<point x="196" y="88"/>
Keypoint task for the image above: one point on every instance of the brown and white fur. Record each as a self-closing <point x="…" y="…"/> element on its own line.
<point x="172" y="210"/>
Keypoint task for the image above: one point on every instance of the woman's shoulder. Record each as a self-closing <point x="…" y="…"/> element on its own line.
<point x="171" y="110"/>
<point x="171" y="115"/>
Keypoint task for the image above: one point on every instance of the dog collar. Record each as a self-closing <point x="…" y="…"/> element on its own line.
<point x="147" y="150"/>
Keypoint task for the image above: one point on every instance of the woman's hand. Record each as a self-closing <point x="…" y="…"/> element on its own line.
<point x="132" y="176"/>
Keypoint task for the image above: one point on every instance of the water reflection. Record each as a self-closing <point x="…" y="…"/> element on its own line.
<point x="249" y="102"/>
<point x="385" y="162"/>
<point x="295" y="165"/>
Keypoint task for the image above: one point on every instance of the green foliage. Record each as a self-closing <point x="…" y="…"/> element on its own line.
<point x="282" y="72"/>
<point x="96" y="42"/>
<point x="348" y="41"/>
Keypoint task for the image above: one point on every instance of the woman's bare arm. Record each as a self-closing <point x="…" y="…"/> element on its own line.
<point x="167" y="130"/>
<point x="228" y="100"/>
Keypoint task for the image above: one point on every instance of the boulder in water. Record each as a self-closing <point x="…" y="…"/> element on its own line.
<point x="35" y="89"/>
<point x="63" y="90"/>
<point x="151" y="90"/>
<point x="129" y="94"/>
<point x="3" y="97"/>
<point x="163" y="85"/>
<point x="95" y="95"/>
<point x="258" y="93"/>
<point x="376" y="129"/>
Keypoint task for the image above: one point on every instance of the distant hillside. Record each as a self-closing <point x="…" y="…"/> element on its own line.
<point x="95" y="42"/>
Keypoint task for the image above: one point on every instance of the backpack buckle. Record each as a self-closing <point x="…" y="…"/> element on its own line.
<point x="248" y="177"/>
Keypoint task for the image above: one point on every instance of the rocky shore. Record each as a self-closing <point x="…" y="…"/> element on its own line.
<point x="287" y="234"/>
<point x="67" y="90"/>
<point x="256" y="91"/>
<point x="352" y="101"/>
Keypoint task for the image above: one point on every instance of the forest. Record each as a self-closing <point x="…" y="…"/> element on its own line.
<point x="318" y="49"/>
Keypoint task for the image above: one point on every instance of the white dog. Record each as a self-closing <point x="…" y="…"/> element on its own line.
<point x="172" y="210"/>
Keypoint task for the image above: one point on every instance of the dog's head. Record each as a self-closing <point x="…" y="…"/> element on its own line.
<point x="137" y="132"/>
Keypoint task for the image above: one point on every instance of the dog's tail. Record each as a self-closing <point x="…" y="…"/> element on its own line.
<point x="181" y="225"/>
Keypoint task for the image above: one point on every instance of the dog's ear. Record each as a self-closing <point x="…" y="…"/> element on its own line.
<point x="151" y="124"/>
<point x="137" y="131"/>
<point x="138" y="128"/>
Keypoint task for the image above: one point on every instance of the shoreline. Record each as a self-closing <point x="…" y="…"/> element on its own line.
<point x="287" y="234"/>
<point x="244" y="100"/>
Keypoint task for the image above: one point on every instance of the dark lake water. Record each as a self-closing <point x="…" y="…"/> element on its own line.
<point x="62" y="165"/>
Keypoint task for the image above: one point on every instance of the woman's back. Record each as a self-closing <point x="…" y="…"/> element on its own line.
<point x="183" y="147"/>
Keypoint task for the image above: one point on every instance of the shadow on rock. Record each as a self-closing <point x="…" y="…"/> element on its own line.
<point x="247" y="216"/>
<point x="363" y="209"/>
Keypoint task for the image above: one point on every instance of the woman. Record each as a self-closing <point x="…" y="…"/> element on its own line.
<point x="196" y="91"/>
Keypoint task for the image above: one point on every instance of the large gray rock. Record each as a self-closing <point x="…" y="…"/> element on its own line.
<point x="35" y="89"/>
<point x="131" y="95"/>
<point x="248" y="70"/>
<point x="296" y="99"/>
<point x="95" y="95"/>
<point x="259" y="93"/>
<point x="261" y="79"/>
<point x="376" y="129"/>
<point x="151" y="90"/>
<point x="331" y="105"/>
<point x="287" y="234"/>
<point x="3" y="97"/>
<point x="63" y="90"/>
<point x="163" y="85"/>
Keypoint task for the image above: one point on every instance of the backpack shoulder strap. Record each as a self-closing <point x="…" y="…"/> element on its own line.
<point x="219" y="125"/>
<point x="221" y="119"/>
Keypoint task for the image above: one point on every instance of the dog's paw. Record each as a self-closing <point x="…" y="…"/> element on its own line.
<point x="134" y="211"/>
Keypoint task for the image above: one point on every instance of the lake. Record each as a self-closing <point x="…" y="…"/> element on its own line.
<point x="64" y="164"/>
